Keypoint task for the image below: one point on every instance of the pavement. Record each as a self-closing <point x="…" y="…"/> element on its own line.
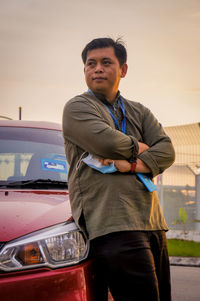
<point x="185" y="261"/>
<point x="185" y="235"/>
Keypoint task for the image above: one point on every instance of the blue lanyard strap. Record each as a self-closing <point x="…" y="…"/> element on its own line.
<point x="123" y="125"/>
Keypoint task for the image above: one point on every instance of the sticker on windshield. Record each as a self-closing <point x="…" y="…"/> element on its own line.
<point x="53" y="165"/>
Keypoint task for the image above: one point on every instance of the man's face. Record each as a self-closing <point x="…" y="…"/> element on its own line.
<point x="103" y="72"/>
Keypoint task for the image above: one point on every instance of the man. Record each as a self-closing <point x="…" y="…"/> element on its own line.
<point x="122" y="219"/>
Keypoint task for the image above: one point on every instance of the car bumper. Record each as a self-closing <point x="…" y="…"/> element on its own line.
<point x="73" y="283"/>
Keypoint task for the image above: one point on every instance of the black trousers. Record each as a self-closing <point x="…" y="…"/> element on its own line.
<point x="134" y="265"/>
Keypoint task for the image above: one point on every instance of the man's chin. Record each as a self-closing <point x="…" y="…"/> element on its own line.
<point x="99" y="90"/>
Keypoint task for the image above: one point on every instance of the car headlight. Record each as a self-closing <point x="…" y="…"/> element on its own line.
<point x="53" y="247"/>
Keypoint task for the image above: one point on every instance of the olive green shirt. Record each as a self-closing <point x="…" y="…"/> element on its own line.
<point x="117" y="201"/>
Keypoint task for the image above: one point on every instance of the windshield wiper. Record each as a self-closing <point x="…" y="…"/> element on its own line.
<point x="36" y="184"/>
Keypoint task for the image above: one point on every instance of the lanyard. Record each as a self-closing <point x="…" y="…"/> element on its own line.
<point x="123" y="125"/>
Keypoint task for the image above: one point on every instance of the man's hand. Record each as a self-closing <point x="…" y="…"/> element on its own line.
<point x="142" y="147"/>
<point x="122" y="165"/>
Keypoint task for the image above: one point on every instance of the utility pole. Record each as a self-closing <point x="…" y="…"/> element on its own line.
<point x="20" y="113"/>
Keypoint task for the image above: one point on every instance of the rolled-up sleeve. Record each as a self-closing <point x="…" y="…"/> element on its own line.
<point x="84" y="126"/>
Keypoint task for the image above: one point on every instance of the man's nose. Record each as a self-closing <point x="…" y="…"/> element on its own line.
<point x="99" y="68"/>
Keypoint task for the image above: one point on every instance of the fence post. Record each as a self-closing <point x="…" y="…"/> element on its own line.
<point x="197" y="183"/>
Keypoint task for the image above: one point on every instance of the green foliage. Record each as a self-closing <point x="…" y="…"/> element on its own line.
<point x="182" y="218"/>
<point x="183" y="248"/>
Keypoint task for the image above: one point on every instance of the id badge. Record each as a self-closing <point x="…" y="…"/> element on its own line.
<point x="147" y="182"/>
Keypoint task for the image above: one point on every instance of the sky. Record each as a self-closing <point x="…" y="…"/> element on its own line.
<point x="40" y="54"/>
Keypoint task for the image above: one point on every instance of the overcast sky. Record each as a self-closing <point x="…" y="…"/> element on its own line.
<point x="41" y="42"/>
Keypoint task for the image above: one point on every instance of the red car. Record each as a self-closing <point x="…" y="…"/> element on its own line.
<point x="43" y="256"/>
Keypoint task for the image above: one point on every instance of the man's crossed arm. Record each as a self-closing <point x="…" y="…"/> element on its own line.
<point x="84" y="127"/>
<point x="125" y="166"/>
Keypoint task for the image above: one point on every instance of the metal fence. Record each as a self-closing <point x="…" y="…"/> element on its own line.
<point x="179" y="186"/>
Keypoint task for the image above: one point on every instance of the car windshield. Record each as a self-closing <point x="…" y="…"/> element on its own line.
<point x="31" y="157"/>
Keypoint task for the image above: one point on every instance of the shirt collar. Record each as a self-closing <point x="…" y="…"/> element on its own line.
<point x="105" y="101"/>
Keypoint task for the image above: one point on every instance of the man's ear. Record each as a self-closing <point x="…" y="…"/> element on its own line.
<point x="124" y="69"/>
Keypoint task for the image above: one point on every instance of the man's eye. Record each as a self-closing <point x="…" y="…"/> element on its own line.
<point x="107" y="62"/>
<point x="90" y="63"/>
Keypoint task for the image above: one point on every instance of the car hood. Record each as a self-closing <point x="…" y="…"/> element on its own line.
<point x="22" y="212"/>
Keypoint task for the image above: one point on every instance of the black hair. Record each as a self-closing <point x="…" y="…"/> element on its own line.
<point x="119" y="48"/>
